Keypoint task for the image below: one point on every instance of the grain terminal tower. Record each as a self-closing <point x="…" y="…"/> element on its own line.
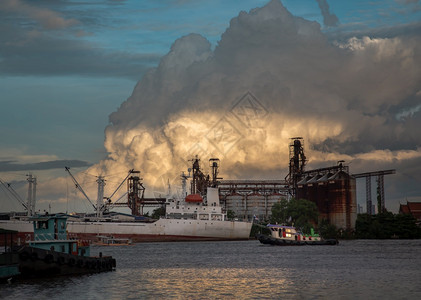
<point x="333" y="189"/>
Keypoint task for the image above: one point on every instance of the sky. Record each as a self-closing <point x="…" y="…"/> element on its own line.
<point x="107" y="86"/>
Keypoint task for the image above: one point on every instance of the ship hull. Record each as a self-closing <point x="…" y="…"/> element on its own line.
<point x="268" y="240"/>
<point x="35" y="262"/>
<point x="159" y="231"/>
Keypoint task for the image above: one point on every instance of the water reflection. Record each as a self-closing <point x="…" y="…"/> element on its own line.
<point x="242" y="270"/>
<point x="200" y="283"/>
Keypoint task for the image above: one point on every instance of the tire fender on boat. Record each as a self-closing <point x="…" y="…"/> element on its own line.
<point x="34" y="256"/>
<point x="79" y="263"/>
<point x="48" y="259"/>
<point x="24" y="255"/>
<point x="71" y="262"/>
<point x="60" y="260"/>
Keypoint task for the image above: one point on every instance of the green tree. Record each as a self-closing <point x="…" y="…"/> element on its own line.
<point x="386" y="225"/>
<point x="406" y="227"/>
<point x="298" y="212"/>
<point x="304" y="214"/>
<point x="158" y="212"/>
<point x="230" y="214"/>
<point x="362" y="226"/>
<point x="328" y="231"/>
<point x="279" y="212"/>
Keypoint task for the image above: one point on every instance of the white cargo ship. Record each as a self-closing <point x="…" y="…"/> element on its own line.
<point x="189" y="217"/>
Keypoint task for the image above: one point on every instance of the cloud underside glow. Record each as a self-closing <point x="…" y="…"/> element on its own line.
<point x="272" y="77"/>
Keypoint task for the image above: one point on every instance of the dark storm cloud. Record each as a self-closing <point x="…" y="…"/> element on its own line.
<point x="8" y="166"/>
<point x="328" y="18"/>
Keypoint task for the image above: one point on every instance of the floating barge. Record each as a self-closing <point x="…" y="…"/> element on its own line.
<point x="51" y="253"/>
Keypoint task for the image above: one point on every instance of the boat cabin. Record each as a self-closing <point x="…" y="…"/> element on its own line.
<point x="196" y="208"/>
<point x="50" y="234"/>
<point x="290" y="233"/>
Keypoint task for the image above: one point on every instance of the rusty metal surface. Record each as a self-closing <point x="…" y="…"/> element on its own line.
<point x="335" y="196"/>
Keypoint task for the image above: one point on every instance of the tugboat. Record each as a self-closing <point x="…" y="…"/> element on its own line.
<point x="282" y="235"/>
<point x="52" y="253"/>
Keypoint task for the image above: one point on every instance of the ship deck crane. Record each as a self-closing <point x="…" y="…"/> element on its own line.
<point x="14" y="194"/>
<point x="31" y="199"/>
<point x="100" y="207"/>
<point x="79" y="187"/>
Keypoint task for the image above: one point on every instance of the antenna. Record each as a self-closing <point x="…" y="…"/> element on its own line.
<point x="32" y="191"/>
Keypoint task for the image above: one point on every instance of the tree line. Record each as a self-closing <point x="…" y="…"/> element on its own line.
<point x="304" y="214"/>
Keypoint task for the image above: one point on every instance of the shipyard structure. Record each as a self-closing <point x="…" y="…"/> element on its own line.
<point x="332" y="189"/>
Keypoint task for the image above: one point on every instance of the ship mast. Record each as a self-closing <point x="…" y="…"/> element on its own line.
<point x="32" y="191"/>
<point x="100" y="197"/>
<point x="214" y="164"/>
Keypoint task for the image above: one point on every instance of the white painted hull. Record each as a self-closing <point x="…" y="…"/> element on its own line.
<point x="161" y="230"/>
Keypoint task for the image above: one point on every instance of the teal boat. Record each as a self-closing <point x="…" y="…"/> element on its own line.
<point x="52" y="253"/>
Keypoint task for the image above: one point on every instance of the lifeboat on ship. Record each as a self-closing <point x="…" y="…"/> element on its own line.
<point x="194" y="198"/>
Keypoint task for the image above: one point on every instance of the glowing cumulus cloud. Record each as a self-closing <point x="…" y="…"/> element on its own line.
<point x="271" y="77"/>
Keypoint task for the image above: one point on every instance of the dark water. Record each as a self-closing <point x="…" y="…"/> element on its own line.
<point x="243" y="270"/>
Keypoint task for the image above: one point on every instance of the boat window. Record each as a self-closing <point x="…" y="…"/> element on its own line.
<point x="41" y="225"/>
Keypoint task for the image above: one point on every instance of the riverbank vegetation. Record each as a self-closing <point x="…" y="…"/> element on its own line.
<point x="386" y="225"/>
<point x="304" y="214"/>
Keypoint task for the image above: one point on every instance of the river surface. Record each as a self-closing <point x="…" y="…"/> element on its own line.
<point x="361" y="269"/>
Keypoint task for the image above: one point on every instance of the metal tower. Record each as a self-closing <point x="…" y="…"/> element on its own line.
<point x="380" y="185"/>
<point x="297" y="162"/>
